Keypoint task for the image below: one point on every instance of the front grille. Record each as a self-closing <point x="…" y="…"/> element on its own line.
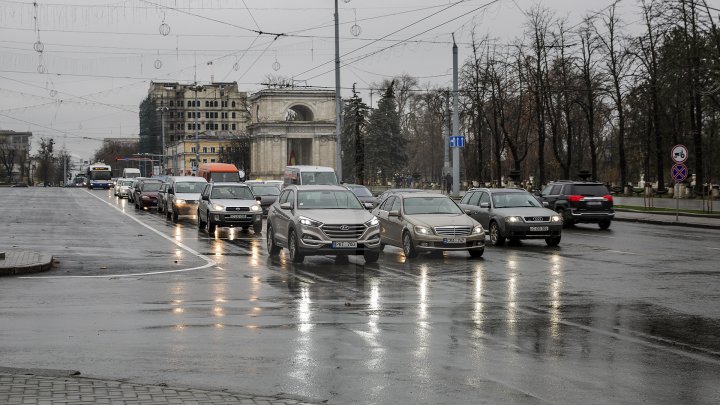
<point x="237" y="208"/>
<point x="343" y="231"/>
<point x="536" y="219"/>
<point x="453" y="230"/>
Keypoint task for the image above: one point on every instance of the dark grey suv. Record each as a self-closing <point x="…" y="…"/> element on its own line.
<point x="580" y="202"/>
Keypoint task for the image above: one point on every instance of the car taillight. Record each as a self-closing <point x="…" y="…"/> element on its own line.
<point x="575" y="198"/>
<point x="608" y="197"/>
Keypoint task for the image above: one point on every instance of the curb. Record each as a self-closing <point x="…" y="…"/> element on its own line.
<point x="667" y="213"/>
<point x="666" y="223"/>
<point x="44" y="263"/>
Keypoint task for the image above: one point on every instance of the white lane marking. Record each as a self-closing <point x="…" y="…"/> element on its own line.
<point x="707" y="247"/>
<point x="209" y="261"/>
<point x="623" y="252"/>
<point x="592" y="235"/>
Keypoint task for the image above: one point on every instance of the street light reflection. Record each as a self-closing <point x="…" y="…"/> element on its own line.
<point x="422" y="332"/>
<point x="304" y="314"/>
<point x="555" y="294"/>
<point x="178" y="234"/>
<point x="512" y="296"/>
<point x="478" y="304"/>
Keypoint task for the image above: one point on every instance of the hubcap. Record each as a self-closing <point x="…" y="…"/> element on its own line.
<point x="269" y="239"/>
<point x="406" y="243"/>
<point x="292" y="245"/>
<point x="493" y="233"/>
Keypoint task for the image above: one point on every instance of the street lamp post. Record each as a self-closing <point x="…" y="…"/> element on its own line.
<point x="162" y="110"/>
<point x="197" y="128"/>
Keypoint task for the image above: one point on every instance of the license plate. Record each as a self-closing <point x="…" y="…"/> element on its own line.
<point x="450" y="241"/>
<point x="539" y="229"/>
<point x="344" y="245"/>
<point x="594" y="203"/>
<point x="237" y="216"/>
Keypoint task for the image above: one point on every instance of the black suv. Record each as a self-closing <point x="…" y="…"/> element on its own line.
<point x="580" y="202"/>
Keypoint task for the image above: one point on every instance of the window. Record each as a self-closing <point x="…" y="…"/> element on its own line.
<point x="233" y="105"/>
<point x="207" y="103"/>
<point x="234" y="127"/>
<point x="474" y="199"/>
<point x="215" y="103"/>
<point x="233" y="114"/>
<point x="212" y="149"/>
<point x="212" y="160"/>
<point x="466" y="197"/>
<point x="192" y="149"/>
<point x="387" y="204"/>
<point x="224" y="104"/>
<point x="172" y="103"/>
<point x="179" y="127"/>
<point x="204" y="149"/>
<point x="204" y="160"/>
<point x="396" y="205"/>
<point x="556" y="190"/>
<point x="485" y="199"/>
<point x="189" y="114"/>
<point x="221" y="149"/>
<point x="190" y="126"/>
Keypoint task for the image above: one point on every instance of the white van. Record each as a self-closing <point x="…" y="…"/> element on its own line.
<point x="304" y="175"/>
<point x="130" y="173"/>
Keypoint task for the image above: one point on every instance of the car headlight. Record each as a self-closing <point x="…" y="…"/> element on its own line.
<point x="478" y="229"/>
<point x="556" y="218"/>
<point x="179" y="202"/>
<point x="255" y="208"/>
<point x="373" y="222"/>
<point x="422" y="230"/>
<point x="513" y="219"/>
<point x="309" y="222"/>
<point x="218" y="207"/>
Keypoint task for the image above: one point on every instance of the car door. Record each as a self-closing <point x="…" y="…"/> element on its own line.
<point x="470" y="204"/>
<point x="483" y="209"/>
<point x="382" y="216"/>
<point x="203" y="203"/>
<point x="395" y="224"/>
<point x="282" y="217"/>
<point x="550" y="195"/>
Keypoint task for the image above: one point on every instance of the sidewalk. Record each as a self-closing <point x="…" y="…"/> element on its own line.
<point x="23" y="262"/>
<point x="21" y="387"/>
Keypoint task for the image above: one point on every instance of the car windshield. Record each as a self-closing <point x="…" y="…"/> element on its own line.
<point x="514" y="200"/>
<point x="320" y="178"/>
<point x="189" y="187"/>
<point x="126" y="182"/>
<point x="328" y="199"/>
<point x="232" y="193"/>
<point x="361" y="191"/>
<point x="221" y="177"/>
<point x="430" y="205"/>
<point x="154" y="186"/>
<point x="265" y="190"/>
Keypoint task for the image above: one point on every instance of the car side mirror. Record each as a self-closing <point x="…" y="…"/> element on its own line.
<point x="170" y="191"/>
<point x="286" y="206"/>
<point x="368" y="206"/>
<point x="546" y="204"/>
<point x="484" y="205"/>
<point x="394" y="213"/>
<point x="258" y="198"/>
<point x="469" y="212"/>
<point x="206" y="197"/>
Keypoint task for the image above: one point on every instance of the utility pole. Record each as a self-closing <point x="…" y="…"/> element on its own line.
<point x="197" y="128"/>
<point x="338" y="100"/>
<point x="456" y="124"/>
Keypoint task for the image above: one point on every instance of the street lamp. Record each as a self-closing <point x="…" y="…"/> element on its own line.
<point x="162" y="110"/>
<point x="195" y="87"/>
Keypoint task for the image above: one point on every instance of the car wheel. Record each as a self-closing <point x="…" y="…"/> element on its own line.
<point x="408" y="246"/>
<point x="137" y="207"/>
<point x="175" y="216"/>
<point x="553" y="241"/>
<point x="200" y="222"/>
<point x="167" y="214"/>
<point x="295" y="255"/>
<point x="495" y="238"/>
<point x="475" y="253"/>
<point x="567" y="222"/>
<point x="272" y="248"/>
<point x="371" y="256"/>
<point x="604" y="224"/>
<point x="210" y="225"/>
<point x="257" y="228"/>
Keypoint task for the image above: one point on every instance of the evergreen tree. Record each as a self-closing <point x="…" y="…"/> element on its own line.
<point x="385" y="146"/>
<point x="355" y="120"/>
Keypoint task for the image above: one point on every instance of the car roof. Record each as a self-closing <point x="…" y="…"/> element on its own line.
<point x="230" y="183"/>
<point x="577" y="182"/>
<point x="313" y="168"/>
<point x="423" y="194"/>
<point x="354" y="185"/>
<point x="500" y="190"/>
<point x="189" y="179"/>
<point x="317" y="187"/>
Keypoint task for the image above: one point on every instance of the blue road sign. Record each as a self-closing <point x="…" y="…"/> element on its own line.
<point x="679" y="172"/>
<point x="457" y="141"/>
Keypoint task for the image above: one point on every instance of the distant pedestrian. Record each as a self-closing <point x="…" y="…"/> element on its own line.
<point x="448" y="183"/>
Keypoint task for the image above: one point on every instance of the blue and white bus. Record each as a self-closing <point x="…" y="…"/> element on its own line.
<point x="99" y="175"/>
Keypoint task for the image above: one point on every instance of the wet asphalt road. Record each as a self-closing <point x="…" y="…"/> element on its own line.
<point x="627" y="315"/>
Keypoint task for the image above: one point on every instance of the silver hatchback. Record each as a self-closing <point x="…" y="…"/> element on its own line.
<point x="321" y="220"/>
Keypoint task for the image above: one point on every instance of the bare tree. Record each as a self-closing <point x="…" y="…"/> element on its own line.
<point x="8" y="158"/>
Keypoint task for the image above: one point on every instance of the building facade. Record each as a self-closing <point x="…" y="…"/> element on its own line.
<point x="181" y="154"/>
<point x="208" y="111"/>
<point x="15" y="156"/>
<point x="291" y="127"/>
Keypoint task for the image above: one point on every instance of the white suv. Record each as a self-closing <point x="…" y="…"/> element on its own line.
<point x="229" y="205"/>
<point x="183" y="194"/>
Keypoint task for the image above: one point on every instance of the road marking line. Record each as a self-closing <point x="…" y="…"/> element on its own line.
<point x="209" y="261"/>
<point x="707" y="247"/>
<point x="623" y="252"/>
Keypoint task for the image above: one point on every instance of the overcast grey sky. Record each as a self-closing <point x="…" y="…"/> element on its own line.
<point x="99" y="56"/>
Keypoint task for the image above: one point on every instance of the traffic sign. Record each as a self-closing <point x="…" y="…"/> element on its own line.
<point x="457" y="141"/>
<point x="679" y="172"/>
<point x="679" y="154"/>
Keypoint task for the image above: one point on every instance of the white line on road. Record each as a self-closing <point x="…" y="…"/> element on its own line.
<point x="707" y="247"/>
<point x="209" y="261"/>
<point x="623" y="252"/>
